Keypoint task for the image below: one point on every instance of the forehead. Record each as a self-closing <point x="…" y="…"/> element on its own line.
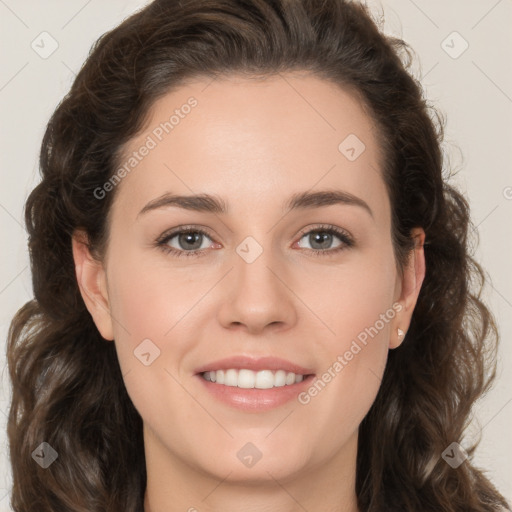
<point x="242" y="138"/>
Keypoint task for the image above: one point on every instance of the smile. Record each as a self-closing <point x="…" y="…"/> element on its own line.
<point x="249" y="379"/>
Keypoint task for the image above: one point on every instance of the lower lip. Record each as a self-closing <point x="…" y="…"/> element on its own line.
<point x="255" y="400"/>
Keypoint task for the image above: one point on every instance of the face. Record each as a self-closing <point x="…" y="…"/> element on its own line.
<point x="298" y="266"/>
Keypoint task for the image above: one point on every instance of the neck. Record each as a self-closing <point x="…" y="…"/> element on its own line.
<point x="176" y="485"/>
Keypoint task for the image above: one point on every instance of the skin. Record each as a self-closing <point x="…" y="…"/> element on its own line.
<point x="253" y="143"/>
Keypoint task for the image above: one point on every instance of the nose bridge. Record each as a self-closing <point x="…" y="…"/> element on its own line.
<point x="254" y="278"/>
<point x="257" y="295"/>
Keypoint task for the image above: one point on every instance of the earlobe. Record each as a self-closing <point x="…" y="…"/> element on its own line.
<point x="91" y="278"/>
<point x="413" y="276"/>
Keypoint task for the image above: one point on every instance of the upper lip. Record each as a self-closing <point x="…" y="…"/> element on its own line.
<point x="255" y="364"/>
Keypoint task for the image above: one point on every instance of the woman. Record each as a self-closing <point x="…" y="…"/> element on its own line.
<point x="251" y="278"/>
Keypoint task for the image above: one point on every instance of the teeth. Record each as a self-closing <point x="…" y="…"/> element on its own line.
<point x="264" y="379"/>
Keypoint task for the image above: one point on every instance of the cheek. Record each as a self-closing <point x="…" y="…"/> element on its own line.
<point x="359" y="311"/>
<point x="156" y="312"/>
<point x="149" y="298"/>
<point x="150" y="313"/>
<point x="350" y="378"/>
<point x="352" y="297"/>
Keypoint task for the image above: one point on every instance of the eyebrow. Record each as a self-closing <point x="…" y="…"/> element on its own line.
<point x="213" y="204"/>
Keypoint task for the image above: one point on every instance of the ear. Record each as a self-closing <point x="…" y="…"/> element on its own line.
<point x="408" y="288"/>
<point x="92" y="282"/>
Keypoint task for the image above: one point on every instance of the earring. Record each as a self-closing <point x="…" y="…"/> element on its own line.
<point x="401" y="334"/>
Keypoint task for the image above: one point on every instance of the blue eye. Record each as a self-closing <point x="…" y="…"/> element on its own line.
<point x="324" y="236"/>
<point x="190" y="241"/>
<point x="188" y="238"/>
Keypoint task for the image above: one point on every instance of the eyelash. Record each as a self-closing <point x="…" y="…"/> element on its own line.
<point x="345" y="238"/>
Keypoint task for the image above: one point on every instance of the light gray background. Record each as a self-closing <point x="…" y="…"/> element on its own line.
<point x="474" y="90"/>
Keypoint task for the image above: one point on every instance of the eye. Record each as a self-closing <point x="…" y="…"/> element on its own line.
<point x="191" y="241"/>
<point x="321" y="239"/>
<point x="184" y="242"/>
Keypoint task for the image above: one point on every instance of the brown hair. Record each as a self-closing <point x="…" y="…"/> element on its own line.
<point x="67" y="386"/>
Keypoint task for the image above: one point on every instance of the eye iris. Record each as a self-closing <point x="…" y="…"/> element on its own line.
<point x="321" y="237"/>
<point x="190" y="238"/>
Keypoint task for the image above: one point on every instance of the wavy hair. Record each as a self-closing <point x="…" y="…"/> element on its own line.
<point x="68" y="389"/>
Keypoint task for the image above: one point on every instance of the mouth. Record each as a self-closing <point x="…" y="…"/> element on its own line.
<point x="254" y="384"/>
<point x="249" y="379"/>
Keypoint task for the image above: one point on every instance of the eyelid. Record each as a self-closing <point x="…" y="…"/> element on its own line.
<point x="327" y="227"/>
<point x="184" y="228"/>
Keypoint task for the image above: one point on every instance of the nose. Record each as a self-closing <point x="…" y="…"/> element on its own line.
<point x="257" y="297"/>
